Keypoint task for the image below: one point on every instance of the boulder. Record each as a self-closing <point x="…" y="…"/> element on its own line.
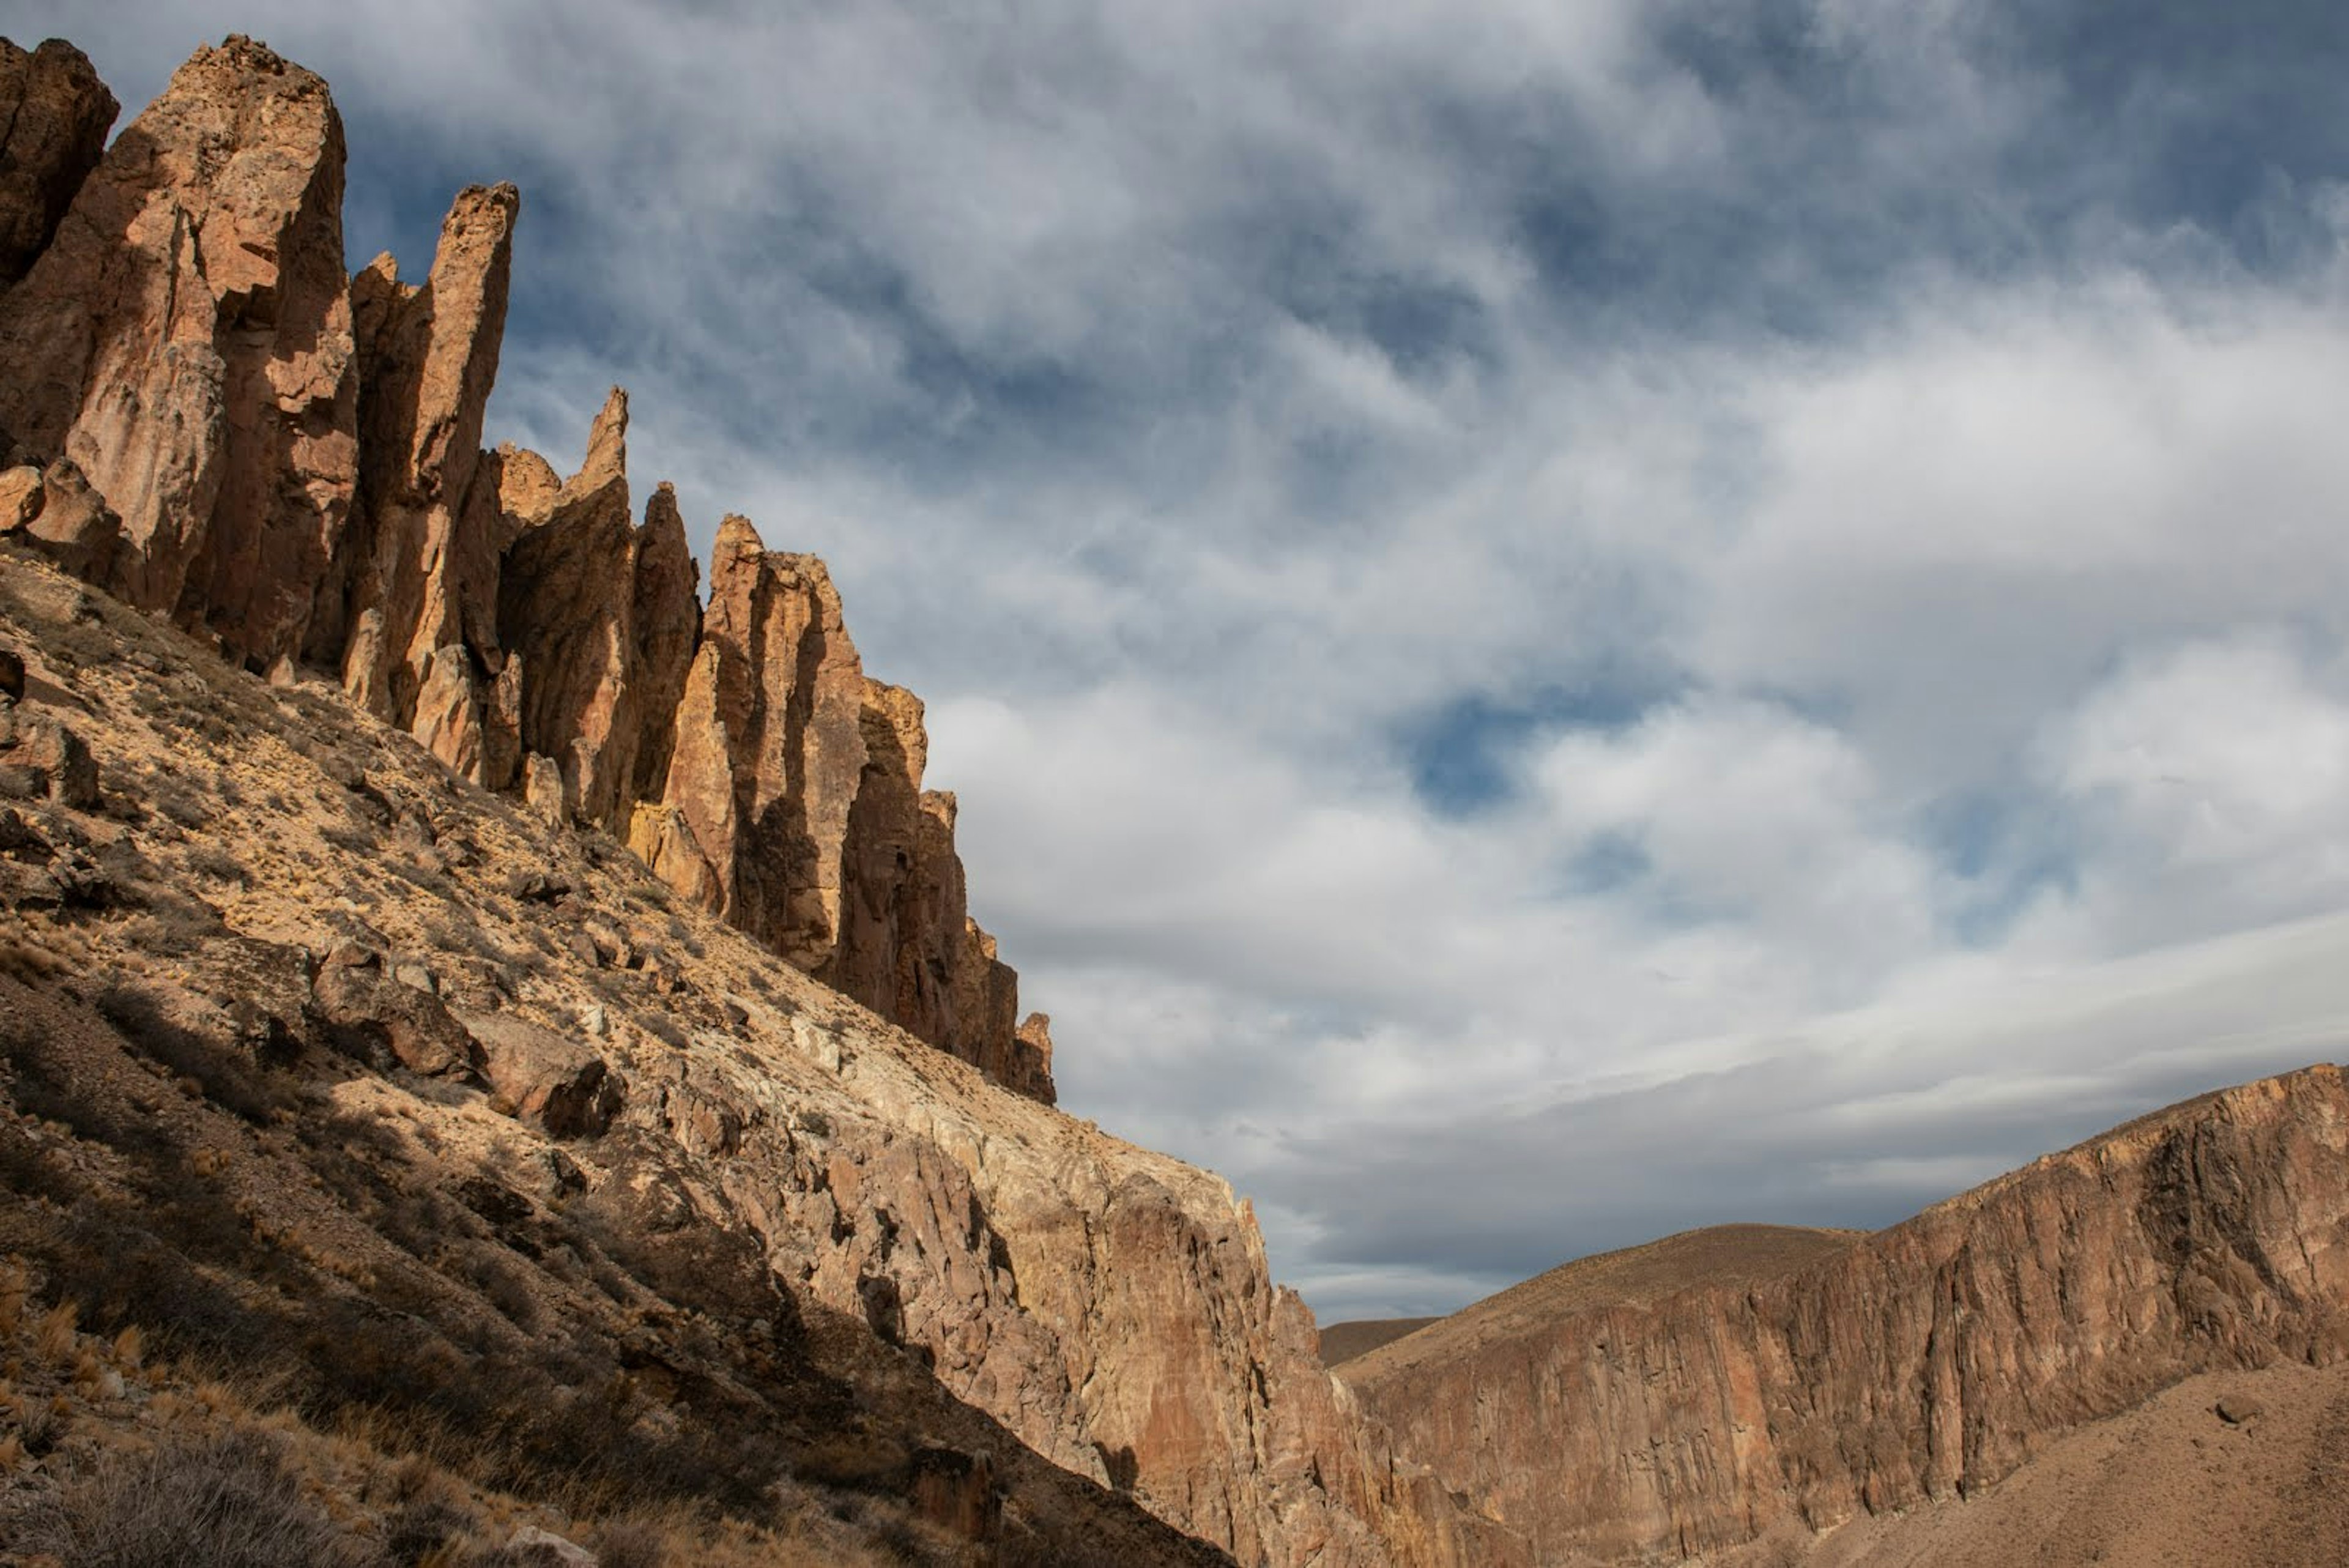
<point x="558" y="1081"/>
<point x="57" y="512"/>
<point x="45" y="757"/>
<point x="372" y="1016"/>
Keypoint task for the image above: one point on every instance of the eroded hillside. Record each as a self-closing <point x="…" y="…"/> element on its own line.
<point x="453" y="978"/>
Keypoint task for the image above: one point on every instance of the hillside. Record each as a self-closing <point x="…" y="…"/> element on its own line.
<point x="512" y="1035"/>
<point x="1342" y="1342"/>
<point x="1725" y="1256"/>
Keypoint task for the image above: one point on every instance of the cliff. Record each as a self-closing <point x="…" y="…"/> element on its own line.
<point x="344" y="1039"/>
<point x="1923" y="1362"/>
<point x="215" y="421"/>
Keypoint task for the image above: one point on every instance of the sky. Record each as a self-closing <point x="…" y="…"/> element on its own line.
<point x="1554" y="620"/>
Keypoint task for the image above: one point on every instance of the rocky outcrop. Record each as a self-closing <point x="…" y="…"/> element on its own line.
<point x="57" y="113"/>
<point x="600" y="616"/>
<point x="1925" y="1361"/>
<point x="770" y="748"/>
<point x="234" y="434"/>
<point x="415" y="631"/>
<point x="788" y="1170"/>
<point x="186" y="341"/>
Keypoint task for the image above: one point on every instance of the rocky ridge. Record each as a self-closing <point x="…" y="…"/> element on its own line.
<point x="207" y="416"/>
<point x="359" y="868"/>
<point x="1921" y="1363"/>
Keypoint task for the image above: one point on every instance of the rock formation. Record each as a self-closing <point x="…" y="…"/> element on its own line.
<point x="56" y="112"/>
<point x="185" y="340"/>
<point x="754" y="1170"/>
<point x="415" y="629"/>
<point x="229" y="431"/>
<point x="1924" y="1361"/>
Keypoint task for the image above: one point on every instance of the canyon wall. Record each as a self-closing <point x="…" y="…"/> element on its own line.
<point x="1923" y="1361"/>
<point x="207" y="416"/>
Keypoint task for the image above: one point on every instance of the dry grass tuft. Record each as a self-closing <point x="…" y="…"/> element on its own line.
<point x="222" y="1502"/>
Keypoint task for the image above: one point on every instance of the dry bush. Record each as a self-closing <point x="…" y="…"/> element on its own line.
<point x="224" y="1502"/>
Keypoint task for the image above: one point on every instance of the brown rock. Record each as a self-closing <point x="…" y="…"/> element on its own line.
<point x="2239" y="1409"/>
<point x="48" y="757"/>
<point x="544" y="789"/>
<point x="57" y="113"/>
<point x="566" y="599"/>
<point x="186" y="340"/>
<point x="66" y="520"/>
<point x="665" y="620"/>
<point x="560" y="1083"/>
<point x="371" y="1015"/>
<point x="882" y="915"/>
<point x="1032" y="1057"/>
<point x="21" y="496"/>
<point x="770" y="747"/>
<point x="422" y="602"/>
<point x="1920" y="1362"/>
<point x="11" y="675"/>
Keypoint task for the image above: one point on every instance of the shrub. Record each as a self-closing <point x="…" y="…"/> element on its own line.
<point x="212" y="1502"/>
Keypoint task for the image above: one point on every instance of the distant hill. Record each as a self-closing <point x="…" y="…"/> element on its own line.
<point x="1716" y="1255"/>
<point x="1808" y="1389"/>
<point x="1342" y="1342"/>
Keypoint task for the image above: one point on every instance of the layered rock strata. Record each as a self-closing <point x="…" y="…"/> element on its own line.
<point x="214" y="422"/>
<point x="1925" y="1361"/>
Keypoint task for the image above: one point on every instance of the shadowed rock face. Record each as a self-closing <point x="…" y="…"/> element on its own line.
<point x="56" y="112"/>
<point x="415" y="629"/>
<point x="1926" y="1360"/>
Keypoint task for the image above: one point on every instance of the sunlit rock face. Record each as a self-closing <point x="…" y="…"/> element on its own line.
<point x="1922" y="1361"/>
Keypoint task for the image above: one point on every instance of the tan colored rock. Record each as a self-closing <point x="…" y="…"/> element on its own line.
<point x="186" y="340"/>
<point x="665" y="620"/>
<point x="770" y="745"/>
<point x="557" y="1082"/>
<point x="544" y="789"/>
<point x="528" y="486"/>
<point x="21" y="497"/>
<point x="424" y="554"/>
<point x="57" y="113"/>
<point x="57" y="512"/>
<point x="372" y="1016"/>
<point x="566" y="597"/>
<point x="48" y="755"/>
<point x="1923" y="1361"/>
<point x="1032" y="1056"/>
<point x="883" y="917"/>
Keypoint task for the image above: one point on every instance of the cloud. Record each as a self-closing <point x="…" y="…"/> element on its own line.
<point x="1504" y="589"/>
